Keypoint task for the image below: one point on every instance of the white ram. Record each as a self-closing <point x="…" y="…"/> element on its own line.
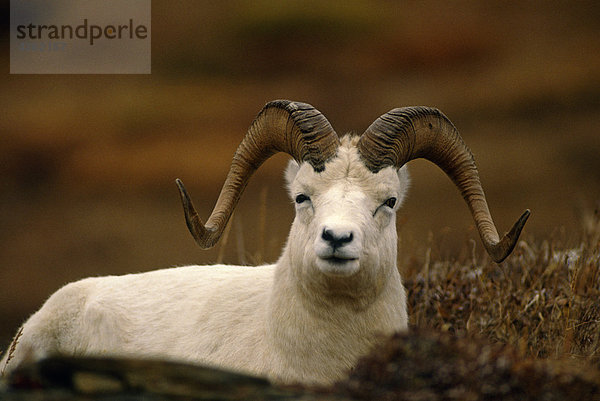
<point x="334" y="289"/>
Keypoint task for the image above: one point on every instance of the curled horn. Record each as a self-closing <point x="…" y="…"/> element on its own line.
<point x="281" y="126"/>
<point x="408" y="133"/>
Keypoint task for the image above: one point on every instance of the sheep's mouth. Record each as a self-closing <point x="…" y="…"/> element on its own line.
<point x="338" y="261"/>
<point x="338" y="267"/>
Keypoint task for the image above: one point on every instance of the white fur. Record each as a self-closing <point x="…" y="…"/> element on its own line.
<point x="305" y="319"/>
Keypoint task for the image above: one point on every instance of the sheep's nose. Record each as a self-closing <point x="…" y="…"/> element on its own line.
<point x="336" y="239"/>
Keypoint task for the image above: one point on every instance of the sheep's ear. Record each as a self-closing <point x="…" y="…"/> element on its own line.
<point x="404" y="178"/>
<point x="291" y="171"/>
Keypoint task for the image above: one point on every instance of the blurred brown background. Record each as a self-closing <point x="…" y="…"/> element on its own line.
<point x="88" y="162"/>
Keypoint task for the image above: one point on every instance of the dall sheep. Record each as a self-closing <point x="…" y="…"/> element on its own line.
<point x="333" y="291"/>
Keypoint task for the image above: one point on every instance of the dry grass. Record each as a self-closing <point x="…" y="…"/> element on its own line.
<point x="543" y="300"/>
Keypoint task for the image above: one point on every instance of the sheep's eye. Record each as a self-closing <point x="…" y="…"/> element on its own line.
<point x="301" y="198"/>
<point x="391" y="202"/>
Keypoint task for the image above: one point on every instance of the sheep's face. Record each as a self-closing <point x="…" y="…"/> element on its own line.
<point x="345" y="216"/>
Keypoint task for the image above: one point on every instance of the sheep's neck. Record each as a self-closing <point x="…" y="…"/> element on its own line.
<point x="330" y="330"/>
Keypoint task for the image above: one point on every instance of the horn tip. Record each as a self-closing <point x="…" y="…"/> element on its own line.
<point x="181" y="187"/>
<point x="192" y="220"/>
<point x="516" y="229"/>
<point x="508" y="243"/>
